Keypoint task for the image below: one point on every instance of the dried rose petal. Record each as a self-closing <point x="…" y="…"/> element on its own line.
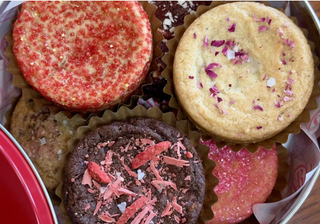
<point x="212" y="66"/>
<point x="284" y="61"/>
<point x="288" y="92"/>
<point x="219" y="99"/>
<point x="227" y="19"/>
<point x="191" y="77"/>
<point x="231" y="102"/>
<point x="217" y="43"/>
<point x="217" y="52"/>
<point x="222" y="111"/>
<point x="290" y="43"/>
<point x="258" y="20"/>
<point x="230" y="85"/>
<point x="257" y="107"/>
<point x="268" y="20"/>
<point x="199" y="84"/>
<point x="263" y="28"/>
<point x="259" y="127"/>
<point x="287" y="98"/>
<point x="211" y="74"/>
<point x="280" y="118"/>
<point x="205" y="41"/>
<point x="214" y="91"/>
<point x="232" y="28"/>
<point x="195" y="36"/>
<point x="224" y="50"/>
<point x="230" y="43"/>
<point x="265" y="76"/>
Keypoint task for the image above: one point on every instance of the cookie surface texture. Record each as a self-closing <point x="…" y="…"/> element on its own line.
<point x="83" y="56"/>
<point x="134" y="172"/>
<point x="243" y="72"/>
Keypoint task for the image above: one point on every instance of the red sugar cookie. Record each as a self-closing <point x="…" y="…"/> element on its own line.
<point x="83" y="56"/>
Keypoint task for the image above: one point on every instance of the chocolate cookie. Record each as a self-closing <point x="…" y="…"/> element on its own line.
<point x="137" y="171"/>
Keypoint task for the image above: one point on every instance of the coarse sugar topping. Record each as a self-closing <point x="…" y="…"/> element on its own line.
<point x="83" y="55"/>
<point x="244" y="178"/>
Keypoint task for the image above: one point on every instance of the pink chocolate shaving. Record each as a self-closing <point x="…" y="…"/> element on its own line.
<point x="140" y="215"/>
<point x="99" y="203"/>
<point x="131" y="210"/>
<point x="130" y="172"/>
<point x="108" y="158"/>
<point x="106" y="218"/>
<point x="126" y="192"/>
<point x="86" y="179"/>
<point x="176" y="206"/>
<point x="97" y="185"/>
<point x="87" y="207"/>
<point x="175" y="162"/>
<point x="157" y="184"/>
<point x="155" y="171"/>
<point x="166" y="209"/>
<point x="150" y="217"/>
<point x="176" y="219"/>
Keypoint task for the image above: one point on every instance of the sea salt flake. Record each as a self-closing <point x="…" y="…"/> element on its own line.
<point x="140" y="174"/>
<point x="271" y="82"/>
<point x="43" y="141"/>
<point x="122" y="207"/>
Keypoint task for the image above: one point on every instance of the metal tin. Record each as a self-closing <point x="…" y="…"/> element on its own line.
<point x="308" y="19"/>
<point x="35" y="172"/>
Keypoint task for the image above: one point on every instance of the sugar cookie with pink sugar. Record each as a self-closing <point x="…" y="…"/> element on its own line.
<point x="245" y="179"/>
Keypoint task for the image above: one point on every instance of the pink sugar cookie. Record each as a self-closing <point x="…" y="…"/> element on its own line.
<point x="245" y="179"/>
